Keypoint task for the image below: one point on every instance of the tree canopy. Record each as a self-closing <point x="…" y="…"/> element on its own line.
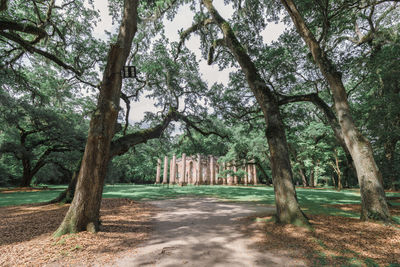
<point x="316" y="106"/>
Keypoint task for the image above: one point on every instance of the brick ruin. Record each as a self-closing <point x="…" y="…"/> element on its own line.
<point x="204" y="170"/>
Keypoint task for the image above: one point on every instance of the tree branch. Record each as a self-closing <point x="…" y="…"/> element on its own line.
<point x="186" y="33"/>
<point x="3" y="5"/>
<point x="122" y="144"/>
<point x="21" y="27"/>
<point x="16" y="38"/>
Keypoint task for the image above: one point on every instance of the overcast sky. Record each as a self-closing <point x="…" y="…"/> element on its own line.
<point x="182" y="20"/>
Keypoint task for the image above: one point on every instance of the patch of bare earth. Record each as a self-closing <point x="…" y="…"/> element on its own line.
<point x="25" y="234"/>
<point x="335" y="240"/>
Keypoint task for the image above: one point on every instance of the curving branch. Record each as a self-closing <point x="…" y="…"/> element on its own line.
<point x="32" y="49"/>
<point x="158" y="14"/>
<point x="329" y="115"/>
<point x="125" y="98"/>
<point x="123" y="144"/>
<point x="215" y="44"/>
<point x="22" y="27"/>
<point x="191" y="124"/>
<point x="186" y="33"/>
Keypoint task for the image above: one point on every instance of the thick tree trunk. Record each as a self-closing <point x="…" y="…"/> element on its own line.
<point x="26" y="178"/>
<point x="374" y="205"/>
<point x="83" y="213"/>
<point x="287" y="206"/>
<point x="26" y="173"/>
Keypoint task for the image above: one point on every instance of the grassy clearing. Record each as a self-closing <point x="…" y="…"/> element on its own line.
<point x="343" y="241"/>
<point x="312" y="201"/>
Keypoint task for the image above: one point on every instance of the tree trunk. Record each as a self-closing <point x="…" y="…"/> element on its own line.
<point x="316" y="175"/>
<point x="303" y="177"/>
<point x="338" y="172"/>
<point x="390" y="149"/>
<point x="333" y="180"/>
<point x="83" y="213"/>
<point x="264" y="173"/>
<point x="67" y="195"/>
<point x="312" y="178"/>
<point x="26" y="173"/>
<point x="373" y="200"/>
<point x="287" y="207"/>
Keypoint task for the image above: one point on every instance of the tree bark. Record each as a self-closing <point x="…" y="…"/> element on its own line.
<point x="373" y="200"/>
<point x="390" y="149"/>
<point x="312" y="178"/>
<point x="287" y="206"/>
<point x="83" y="213"/>
<point x="67" y="195"/>
<point x="3" y="5"/>
<point x="303" y="177"/>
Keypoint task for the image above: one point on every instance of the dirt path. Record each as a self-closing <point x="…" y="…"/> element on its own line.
<point x="202" y="232"/>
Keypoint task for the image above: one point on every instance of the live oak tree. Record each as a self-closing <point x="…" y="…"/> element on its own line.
<point x="83" y="213"/>
<point x="288" y="210"/>
<point x="39" y="124"/>
<point x="374" y="205"/>
<point x="59" y="32"/>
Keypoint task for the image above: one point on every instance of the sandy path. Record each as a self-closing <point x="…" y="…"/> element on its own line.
<point x="201" y="232"/>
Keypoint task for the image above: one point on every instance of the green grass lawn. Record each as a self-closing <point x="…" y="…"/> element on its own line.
<point x="312" y="201"/>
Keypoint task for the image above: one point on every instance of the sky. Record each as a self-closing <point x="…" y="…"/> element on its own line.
<point x="182" y="20"/>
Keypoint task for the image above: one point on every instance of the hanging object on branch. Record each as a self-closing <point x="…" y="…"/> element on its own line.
<point x="128" y="72"/>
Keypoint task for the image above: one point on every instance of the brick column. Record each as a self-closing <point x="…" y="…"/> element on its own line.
<point x="224" y="168"/>
<point x="183" y="170"/>
<point x="245" y="177"/>
<point x="172" y="170"/>
<point x="235" y="178"/>
<point x="207" y="172"/>
<point x="199" y="171"/>
<point x="229" y="176"/>
<point x="255" y="179"/>
<point x="165" y="178"/>
<point x="212" y="170"/>
<point x="249" y="174"/>
<point x="158" y="171"/>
